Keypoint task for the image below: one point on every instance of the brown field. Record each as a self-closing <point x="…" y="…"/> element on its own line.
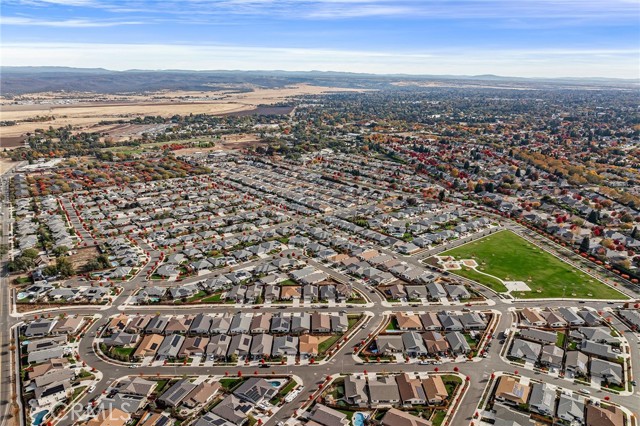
<point x="239" y="142"/>
<point x="121" y="132"/>
<point x="226" y="142"/>
<point x="5" y="165"/>
<point x="82" y="256"/>
<point x="11" y="141"/>
<point x="84" y="117"/>
<point x="83" y="114"/>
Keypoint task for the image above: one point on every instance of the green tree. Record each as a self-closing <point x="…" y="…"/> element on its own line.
<point x="20" y="264"/>
<point x="584" y="245"/>
<point x="594" y="217"/>
<point x="64" y="267"/>
<point x="50" y="271"/>
<point x="61" y="251"/>
<point x="30" y="253"/>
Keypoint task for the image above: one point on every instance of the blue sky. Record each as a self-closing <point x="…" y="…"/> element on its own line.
<point x="542" y="38"/>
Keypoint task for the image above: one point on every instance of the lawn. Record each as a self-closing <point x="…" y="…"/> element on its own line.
<point x="288" y="388"/>
<point x="471" y="341"/>
<point x="199" y="295"/>
<point x="214" y="298"/>
<point x="490" y="282"/>
<point x="160" y="384"/>
<point x="507" y="256"/>
<point x="450" y="382"/>
<point x="438" y="417"/>
<point x="326" y="344"/>
<point x="85" y="375"/>
<point x="352" y="320"/>
<point x="560" y="340"/>
<point x="125" y="352"/>
<point x="77" y="391"/>
<point x="230" y="384"/>
<point x="348" y="413"/>
<point x="392" y="326"/>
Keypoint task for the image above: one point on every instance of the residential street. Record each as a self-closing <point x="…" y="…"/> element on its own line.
<point x="342" y="362"/>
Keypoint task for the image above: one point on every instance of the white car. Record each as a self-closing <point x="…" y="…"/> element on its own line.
<point x="587" y="391"/>
<point x="91" y="388"/>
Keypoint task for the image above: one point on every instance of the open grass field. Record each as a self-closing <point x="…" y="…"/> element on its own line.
<point x="508" y="257"/>
<point x="490" y="282"/>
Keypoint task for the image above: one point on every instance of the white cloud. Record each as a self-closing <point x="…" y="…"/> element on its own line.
<point x="619" y="63"/>
<point x="503" y="10"/>
<point x="506" y="10"/>
<point x="334" y="11"/>
<point x="65" y="23"/>
<point x="74" y="3"/>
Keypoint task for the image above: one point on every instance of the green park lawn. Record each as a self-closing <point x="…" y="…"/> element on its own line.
<point x="509" y="257"/>
<point x="490" y="282"/>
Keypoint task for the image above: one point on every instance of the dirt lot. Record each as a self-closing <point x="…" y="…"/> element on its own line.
<point x="82" y="256"/>
<point x="11" y="141"/>
<point x="82" y="114"/>
<point x="84" y="117"/>
<point x="5" y="165"/>
<point x="226" y="142"/>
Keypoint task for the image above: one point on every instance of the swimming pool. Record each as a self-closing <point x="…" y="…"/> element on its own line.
<point x="275" y="383"/>
<point x="359" y="418"/>
<point x="37" y="419"/>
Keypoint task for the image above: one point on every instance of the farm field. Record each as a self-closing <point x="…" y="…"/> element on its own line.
<point x="508" y="257"/>
<point x="85" y="115"/>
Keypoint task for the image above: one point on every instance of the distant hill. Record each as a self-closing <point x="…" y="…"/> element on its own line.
<point x="21" y="80"/>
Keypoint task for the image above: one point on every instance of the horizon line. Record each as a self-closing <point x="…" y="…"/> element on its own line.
<point x="350" y="73"/>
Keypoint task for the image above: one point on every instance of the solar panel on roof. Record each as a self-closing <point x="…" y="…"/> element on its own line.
<point x="518" y="390"/>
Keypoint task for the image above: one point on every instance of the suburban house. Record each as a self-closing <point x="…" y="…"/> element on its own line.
<point x="149" y="346"/>
<point x="255" y="390"/>
<point x="512" y="391"/>
<point x="543" y="399"/>
<point x="533" y="317"/>
<point x="413" y="344"/>
<point x="395" y="417"/>
<point x="170" y="347"/>
<point x="435" y="390"/>
<point x="383" y="391"/>
<point x="325" y="416"/>
<point x="523" y="349"/>
<point x="355" y="390"/>
<point x="408" y="322"/>
<point x="411" y="391"/>
<point x="308" y="345"/>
